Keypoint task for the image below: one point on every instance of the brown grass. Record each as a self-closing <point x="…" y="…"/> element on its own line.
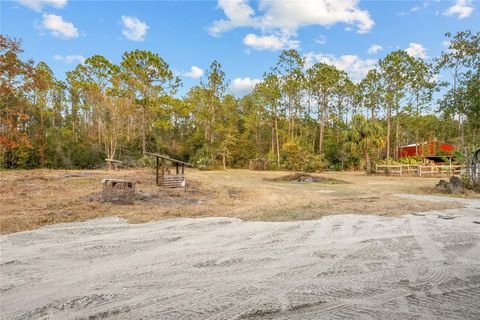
<point x="30" y="199"/>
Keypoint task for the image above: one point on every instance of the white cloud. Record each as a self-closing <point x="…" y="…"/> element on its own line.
<point x="279" y="21"/>
<point x="38" y="5"/>
<point x="374" y="48"/>
<point x="243" y="86"/>
<point x="424" y="5"/>
<point x="68" y="59"/>
<point x="195" y="72"/>
<point x="58" y="27"/>
<point x="462" y="8"/>
<point x="270" y="42"/>
<point x="239" y="14"/>
<point x="289" y="16"/>
<point x="356" y="67"/>
<point x="134" y="29"/>
<point x="321" y="39"/>
<point x="416" y="50"/>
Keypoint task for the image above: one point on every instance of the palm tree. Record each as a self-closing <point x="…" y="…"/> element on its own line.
<point x="364" y="138"/>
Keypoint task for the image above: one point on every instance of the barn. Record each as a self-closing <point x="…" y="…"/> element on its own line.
<point x="426" y="149"/>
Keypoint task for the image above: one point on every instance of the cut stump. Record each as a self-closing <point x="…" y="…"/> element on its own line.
<point x="118" y="191"/>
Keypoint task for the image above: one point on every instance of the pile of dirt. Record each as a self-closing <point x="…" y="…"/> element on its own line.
<point x="305" y="178"/>
<point x="454" y="186"/>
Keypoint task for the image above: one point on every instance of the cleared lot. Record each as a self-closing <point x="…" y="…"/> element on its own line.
<point x="30" y="199"/>
<point x="338" y="267"/>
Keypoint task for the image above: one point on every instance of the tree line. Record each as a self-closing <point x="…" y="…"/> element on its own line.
<point x="301" y="116"/>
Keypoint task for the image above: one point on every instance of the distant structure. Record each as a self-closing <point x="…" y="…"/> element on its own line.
<point x="113" y="164"/>
<point x="434" y="151"/>
<point x="166" y="179"/>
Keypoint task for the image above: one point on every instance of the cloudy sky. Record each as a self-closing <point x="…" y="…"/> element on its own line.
<point x="245" y="36"/>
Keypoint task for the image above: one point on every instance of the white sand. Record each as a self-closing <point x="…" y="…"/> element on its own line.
<point x="339" y="267"/>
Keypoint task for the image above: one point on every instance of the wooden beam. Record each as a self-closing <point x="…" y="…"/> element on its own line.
<point x="168" y="159"/>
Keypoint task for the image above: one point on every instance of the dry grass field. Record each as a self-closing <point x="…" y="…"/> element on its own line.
<point x="30" y="199"/>
<point x="361" y="260"/>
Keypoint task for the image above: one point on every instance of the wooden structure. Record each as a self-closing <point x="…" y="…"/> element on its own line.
<point x="113" y="164"/>
<point x="118" y="191"/>
<point x="426" y="149"/>
<point x="164" y="177"/>
<point x="446" y="170"/>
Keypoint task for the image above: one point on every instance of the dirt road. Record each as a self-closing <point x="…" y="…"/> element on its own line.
<point x="338" y="267"/>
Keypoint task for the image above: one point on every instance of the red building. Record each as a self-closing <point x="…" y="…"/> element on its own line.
<point x="426" y="149"/>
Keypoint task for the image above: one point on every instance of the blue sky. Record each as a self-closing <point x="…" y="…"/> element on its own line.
<point x="245" y="36"/>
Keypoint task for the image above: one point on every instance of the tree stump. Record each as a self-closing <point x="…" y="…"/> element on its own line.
<point x="118" y="191"/>
<point x="456" y="185"/>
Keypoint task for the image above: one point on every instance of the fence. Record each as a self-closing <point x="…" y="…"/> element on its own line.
<point x="420" y="170"/>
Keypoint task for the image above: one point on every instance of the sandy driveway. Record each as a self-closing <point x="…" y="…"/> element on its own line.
<point x="343" y="266"/>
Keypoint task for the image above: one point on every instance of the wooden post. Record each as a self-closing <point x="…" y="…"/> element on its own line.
<point x="157" y="171"/>
<point x="163" y="171"/>
<point x="183" y="168"/>
<point x="176" y="167"/>
<point x="451" y="171"/>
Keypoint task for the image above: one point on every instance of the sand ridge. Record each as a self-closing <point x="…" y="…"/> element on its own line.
<point x="338" y="267"/>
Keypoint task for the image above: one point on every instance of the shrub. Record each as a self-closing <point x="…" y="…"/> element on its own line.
<point x="294" y="155"/>
<point x="315" y="163"/>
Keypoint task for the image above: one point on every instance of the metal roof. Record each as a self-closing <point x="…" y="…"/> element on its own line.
<point x="161" y="156"/>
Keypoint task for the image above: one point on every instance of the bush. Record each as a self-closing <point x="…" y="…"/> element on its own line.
<point x="146" y="161"/>
<point x="336" y="166"/>
<point x="294" y="159"/>
<point x="201" y="159"/>
<point x="315" y="163"/>
<point x="411" y="160"/>
<point x="25" y="157"/>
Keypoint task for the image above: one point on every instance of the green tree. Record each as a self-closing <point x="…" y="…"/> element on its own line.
<point x="15" y="81"/>
<point x="269" y="94"/>
<point x="289" y="69"/>
<point x="322" y="82"/>
<point x="227" y="130"/>
<point x="210" y="96"/>
<point x="99" y="83"/>
<point x="394" y="74"/>
<point x="463" y="58"/>
<point x="421" y="85"/>
<point x="149" y="79"/>
<point x="371" y="90"/>
<point x="364" y="137"/>
<point x="42" y="94"/>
